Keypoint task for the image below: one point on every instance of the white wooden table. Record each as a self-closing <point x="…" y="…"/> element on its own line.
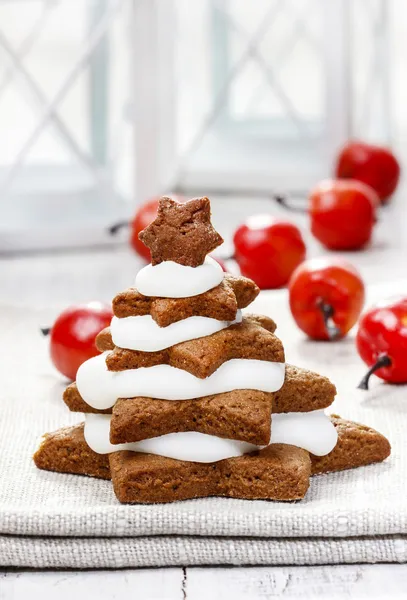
<point x="249" y="583"/>
<point x="65" y="278"/>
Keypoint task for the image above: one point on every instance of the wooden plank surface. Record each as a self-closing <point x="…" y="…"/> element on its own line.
<point x="348" y="581"/>
<point x="237" y="583"/>
<point x="146" y="584"/>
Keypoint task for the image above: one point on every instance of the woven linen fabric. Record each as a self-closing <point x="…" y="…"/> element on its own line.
<point x="53" y="520"/>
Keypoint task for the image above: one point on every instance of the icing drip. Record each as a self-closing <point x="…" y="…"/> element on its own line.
<point x="101" y="388"/>
<point x="171" y="280"/>
<point x="312" y="431"/>
<point x="188" y="445"/>
<point x="143" y="333"/>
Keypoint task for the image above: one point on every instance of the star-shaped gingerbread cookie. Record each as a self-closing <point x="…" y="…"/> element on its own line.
<point x="219" y="303"/>
<point x="182" y="233"/>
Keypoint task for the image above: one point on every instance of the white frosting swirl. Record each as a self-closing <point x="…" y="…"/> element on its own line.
<point x="143" y="333"/>
<point x="312" y="431"/>
<point x="100" y="387"/>
<point x="188" y="445"/>
<point x="172" y="280"/>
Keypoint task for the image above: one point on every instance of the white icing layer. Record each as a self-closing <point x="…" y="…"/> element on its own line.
<point x="100" y="388"/>
<point x="143" y="333"/>
<point x="188" y="445"/>
<point x="313" y="431"/>
<point x="171" y="280"/>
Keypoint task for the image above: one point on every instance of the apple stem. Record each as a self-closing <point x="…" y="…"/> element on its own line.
<point x="282" y="200"/>
<point x="45" y="331"/>
<point x="327" y="311"/>
<point x="382" y="361"/>
<point x="113" y="229"/>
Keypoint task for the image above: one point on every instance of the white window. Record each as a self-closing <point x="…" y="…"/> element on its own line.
<point x="64" y="132"/>
<point x="268" y="90"/>
<point x="105" y="102"/>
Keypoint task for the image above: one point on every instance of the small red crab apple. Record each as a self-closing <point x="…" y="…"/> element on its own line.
<point x="381" y="341"/>
<point x="343" y="213"/>
<point x="326" y="297"/>
<point x="72" y="336"/>
<point x="375" y="166"/>
<point x="268" y="250"/>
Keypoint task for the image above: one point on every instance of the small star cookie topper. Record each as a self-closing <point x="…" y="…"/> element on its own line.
<point x="182" y="233"/>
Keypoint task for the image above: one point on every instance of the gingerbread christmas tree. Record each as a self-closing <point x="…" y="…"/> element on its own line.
<point x="189" y="398"/>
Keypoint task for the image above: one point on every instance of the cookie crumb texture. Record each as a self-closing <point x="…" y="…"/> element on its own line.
<point x="279" y="472"/>
<point x="182" y="233"/>
<point x="66" y="451"/>
<point x="303" y="391"/>
<point x="358" y="445"/>
<point x="243" y="415"/>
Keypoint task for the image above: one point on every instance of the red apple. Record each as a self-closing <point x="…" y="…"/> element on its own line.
<point x="326" y="297"/>
<point x="343" y="213"/>
<point x="381" y="341"/>
<point x="268" y="250"/>
<point x="375" y="166"/>
<point x="72" y="336"/>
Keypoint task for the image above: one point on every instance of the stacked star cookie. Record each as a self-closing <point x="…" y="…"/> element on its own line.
<point x="189" y="398"/>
